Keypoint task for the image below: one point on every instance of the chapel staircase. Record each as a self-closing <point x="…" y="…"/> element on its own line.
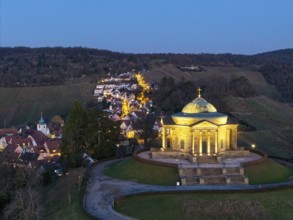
<point x="212" y="174"/>
<point x="204" y="159"/>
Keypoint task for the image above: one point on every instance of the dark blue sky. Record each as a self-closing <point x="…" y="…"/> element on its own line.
<point x="143" y="26"/>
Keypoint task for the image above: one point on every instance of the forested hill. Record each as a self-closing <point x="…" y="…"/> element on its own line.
<point x="284" y="56"/>
<point x="23" y="66"/>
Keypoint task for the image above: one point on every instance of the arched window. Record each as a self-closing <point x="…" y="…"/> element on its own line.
<point x="182" y="144"/>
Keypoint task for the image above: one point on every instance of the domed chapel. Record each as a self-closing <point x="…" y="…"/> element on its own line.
<point x="199" y="130"/>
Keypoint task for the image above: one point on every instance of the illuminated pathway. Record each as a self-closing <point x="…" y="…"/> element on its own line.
<point x="101" y="191"/>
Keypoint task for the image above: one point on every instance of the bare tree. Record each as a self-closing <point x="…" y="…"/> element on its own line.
<point x="26" y="203"/>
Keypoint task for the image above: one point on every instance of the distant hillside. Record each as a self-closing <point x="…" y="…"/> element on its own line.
<point x="273" y="122"/>
<point x="211" y="74"/>
<point x="284" y="56"/>
<point x="22" y="66"/>
<point x="25" y="104"/>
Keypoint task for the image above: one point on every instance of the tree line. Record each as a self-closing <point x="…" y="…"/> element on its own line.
<point x="172" y="96"/>
<point x="21" y="66"/>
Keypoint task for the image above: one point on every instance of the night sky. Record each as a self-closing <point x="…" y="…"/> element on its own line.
<point x="149" y="26"/>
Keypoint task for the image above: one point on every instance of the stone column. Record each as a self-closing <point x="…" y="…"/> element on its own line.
<point x="192" y="142"/>
<point x="200" y="142"/>
<point x="227" y="139"/>
<point x="209" y="142"/>
<point x="216" y="142"/>
<point x="163" y="138"/>
<point x="234" y="138"/>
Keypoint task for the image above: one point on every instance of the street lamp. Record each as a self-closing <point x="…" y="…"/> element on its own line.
<point x="253" y="145"/>
<point x="118" y="150"/>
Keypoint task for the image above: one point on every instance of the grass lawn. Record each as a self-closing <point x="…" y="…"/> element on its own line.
<point x="62" y="198"/>
<point x="268" y="172"/>
<point x="130" y="169"/>
<point x="264" y="205"/>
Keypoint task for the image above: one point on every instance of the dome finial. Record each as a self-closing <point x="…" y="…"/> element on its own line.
<point x="199" y="90"/>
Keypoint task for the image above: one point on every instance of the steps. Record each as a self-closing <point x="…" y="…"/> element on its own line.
<point x="207" y="159"/>
<point x="208" y="174"/>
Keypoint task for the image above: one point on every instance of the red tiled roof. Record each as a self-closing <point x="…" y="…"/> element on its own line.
<point x="39" y="149"/>
<point x="8" y="131"/>
<point x="10" y="139"/>
<point x="18" y="140"/>
<point x="39" y="137"/>
<point x="54" y="145"/>
<point x="10" y="148"/>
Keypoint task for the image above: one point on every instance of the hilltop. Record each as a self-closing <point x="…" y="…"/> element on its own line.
<point x="257" y="90"/>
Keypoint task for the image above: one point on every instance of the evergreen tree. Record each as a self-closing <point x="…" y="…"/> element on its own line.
<point x="74" y="135"/>
<point x="102" y="135"/>
<point x="88" y="132"/>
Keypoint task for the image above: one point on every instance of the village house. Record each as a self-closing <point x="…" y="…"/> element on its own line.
<point x="37" y="137"/>
<point x="41" y="151"/>
<point x="53" y="147"/>
<point x="30" y="147"/>
<point x="6" y="132"/>
<point x="15" y="140"/>
<point x="119" y="92"/>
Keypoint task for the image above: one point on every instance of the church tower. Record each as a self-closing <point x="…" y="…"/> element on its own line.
<point x="42" y="126"/>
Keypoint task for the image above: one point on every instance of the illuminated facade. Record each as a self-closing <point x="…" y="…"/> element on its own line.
<point x="199" y="130"/>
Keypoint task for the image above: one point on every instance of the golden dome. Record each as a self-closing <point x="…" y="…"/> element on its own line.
<point x="199" y="110"/>
<point x="198" y="105"/>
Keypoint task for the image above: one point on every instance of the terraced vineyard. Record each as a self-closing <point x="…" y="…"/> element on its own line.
<point x="24" y="104"/>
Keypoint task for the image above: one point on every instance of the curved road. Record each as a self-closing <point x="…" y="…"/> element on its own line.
<point x="102" y="190"/>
